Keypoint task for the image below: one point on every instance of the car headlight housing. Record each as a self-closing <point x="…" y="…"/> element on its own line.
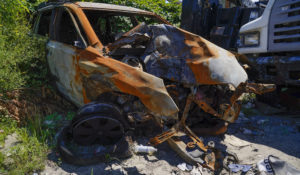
<point x="249" y="39"/>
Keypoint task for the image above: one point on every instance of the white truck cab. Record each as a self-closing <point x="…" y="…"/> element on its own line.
<point x="272" y="42"/>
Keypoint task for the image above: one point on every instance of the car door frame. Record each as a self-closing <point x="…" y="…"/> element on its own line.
<point x="63" y="59"/>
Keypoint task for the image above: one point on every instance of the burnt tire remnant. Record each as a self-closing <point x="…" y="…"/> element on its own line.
<point x="95" y="134"/>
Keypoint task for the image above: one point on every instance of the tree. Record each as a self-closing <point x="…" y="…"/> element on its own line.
<point x="170" y="10"/>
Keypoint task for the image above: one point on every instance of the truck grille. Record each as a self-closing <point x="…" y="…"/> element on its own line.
<point x="284" y="26"/>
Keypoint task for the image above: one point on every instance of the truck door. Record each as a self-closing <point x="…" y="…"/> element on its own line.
<point x="63" y="50"/>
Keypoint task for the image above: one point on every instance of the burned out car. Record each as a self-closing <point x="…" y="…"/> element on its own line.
<point x="125" y="66"/>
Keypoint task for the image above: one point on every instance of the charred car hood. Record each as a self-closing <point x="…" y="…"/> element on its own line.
<point x="178" y="55"/>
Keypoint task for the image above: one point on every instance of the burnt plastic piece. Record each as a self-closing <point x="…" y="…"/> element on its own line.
<point x="281" y="167"/>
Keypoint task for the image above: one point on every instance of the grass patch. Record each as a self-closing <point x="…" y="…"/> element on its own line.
<point x="27" y="156"/>
<point x="35" y="139"/>
<point x="45" y="128"/>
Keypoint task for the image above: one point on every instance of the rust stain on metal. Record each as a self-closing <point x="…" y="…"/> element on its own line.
<point x="202" y="52"/>
<point x="90" y="33"/>
<point x="148" y="88"/>
<point x="85" y="98"/>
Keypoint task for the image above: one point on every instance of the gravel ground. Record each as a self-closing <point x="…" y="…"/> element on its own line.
<point x="251" y="138"/>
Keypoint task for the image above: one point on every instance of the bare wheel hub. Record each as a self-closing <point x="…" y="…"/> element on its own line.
<point x="97" y="130"/>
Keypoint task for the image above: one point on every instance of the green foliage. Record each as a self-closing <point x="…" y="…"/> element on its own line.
<point x="26" y="156"/>
<point x="170" y="10"/>
<point x="22" y="57"/>
<point x="248" y="97"/>
<point x="45" y="128"/>
<point x="11" y="12"/>
<point x="35" y="138"/>
<point x="22" y="62"/>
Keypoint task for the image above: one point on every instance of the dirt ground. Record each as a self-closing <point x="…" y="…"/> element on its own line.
<point x="252" y="138"/>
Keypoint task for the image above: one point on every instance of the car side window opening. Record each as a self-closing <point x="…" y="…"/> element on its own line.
<point x="120" y="25"/>
<point x="110" y="26"/>
<point x="67" y="32"/>
<point x="44" y="22"/>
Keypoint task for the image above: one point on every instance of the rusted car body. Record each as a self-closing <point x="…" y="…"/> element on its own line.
<point x="151" y="70"/>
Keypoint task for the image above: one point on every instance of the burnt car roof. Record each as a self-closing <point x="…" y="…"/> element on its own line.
<point x="110" y="7"/>
<point x="97" y="6"/>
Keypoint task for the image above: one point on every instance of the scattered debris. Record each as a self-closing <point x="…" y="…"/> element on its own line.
<point x="264" y="167"/>
<point x="144" y="149"/>
<point x="237" y="167"/>
<point x="185" y="167"/>
<point x="282" y="167"/>
<point x="273" y="165"/>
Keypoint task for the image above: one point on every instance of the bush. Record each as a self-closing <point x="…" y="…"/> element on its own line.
<point x="22" y="57"/>
<point x="170" y="9"/>
<point x="22" y="62"/>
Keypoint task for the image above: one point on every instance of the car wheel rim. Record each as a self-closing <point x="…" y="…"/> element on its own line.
<point x="98" y="130"/>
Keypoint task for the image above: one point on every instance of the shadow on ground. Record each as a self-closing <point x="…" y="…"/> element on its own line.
<point x="278" y="132"/>
<point x="162" y="162"/>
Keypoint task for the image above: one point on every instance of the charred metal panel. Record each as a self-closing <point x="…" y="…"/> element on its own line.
<point x="181" y="56"/>
<point x="63" y="65"/>
<point x="124" y="78"/>
<point x="110" y="7"/>
<point x="172" y="69"/>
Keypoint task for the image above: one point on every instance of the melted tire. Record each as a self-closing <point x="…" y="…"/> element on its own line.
<point x="77" y="154"/>
<point x="103" y="109"/>
<point x="122" y="149"/>
<point x="97" y="129"/>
